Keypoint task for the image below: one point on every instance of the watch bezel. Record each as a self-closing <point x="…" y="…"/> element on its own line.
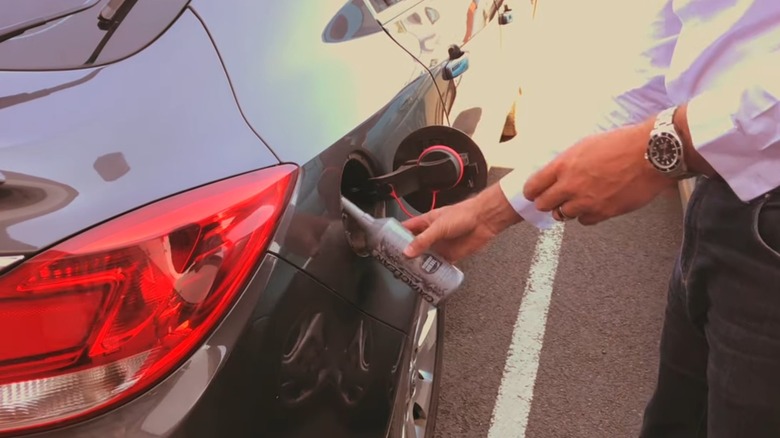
<point x="677" y="150"/>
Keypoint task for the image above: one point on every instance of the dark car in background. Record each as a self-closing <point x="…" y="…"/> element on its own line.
<point x="174" y="261"/>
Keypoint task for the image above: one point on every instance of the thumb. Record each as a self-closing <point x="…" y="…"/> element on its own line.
<point x="423" y="241"/>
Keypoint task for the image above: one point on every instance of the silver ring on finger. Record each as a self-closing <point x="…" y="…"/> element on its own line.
<point x="563" y="215"/>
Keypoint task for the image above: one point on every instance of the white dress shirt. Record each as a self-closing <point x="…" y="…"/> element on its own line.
<point x="722" y="57"/>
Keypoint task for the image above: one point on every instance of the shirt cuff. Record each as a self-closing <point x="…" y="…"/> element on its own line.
<point x="512" y="187"/>
<point x="734" y="130"/>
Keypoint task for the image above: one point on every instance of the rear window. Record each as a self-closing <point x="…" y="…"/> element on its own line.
<point x="81" y="33"/>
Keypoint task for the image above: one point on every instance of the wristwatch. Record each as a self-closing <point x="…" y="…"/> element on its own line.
<point x="665" y="148"/>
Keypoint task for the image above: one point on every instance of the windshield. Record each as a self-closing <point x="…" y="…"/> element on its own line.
<point x="99" y="32"/>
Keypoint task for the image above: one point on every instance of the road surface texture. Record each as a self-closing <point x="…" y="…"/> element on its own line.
<point x="577" y="356"/>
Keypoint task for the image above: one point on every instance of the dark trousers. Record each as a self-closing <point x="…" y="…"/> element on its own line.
<point x="719" y="373"/>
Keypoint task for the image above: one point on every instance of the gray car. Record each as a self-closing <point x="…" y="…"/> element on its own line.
<point x="174" y="261"/>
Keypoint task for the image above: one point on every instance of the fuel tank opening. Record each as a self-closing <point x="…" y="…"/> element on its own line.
<point x="356" y="174"/>
<point x="432" y="167"/>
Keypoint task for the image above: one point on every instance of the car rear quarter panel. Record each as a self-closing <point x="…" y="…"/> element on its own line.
<point x="306" y="73"/>
<point x="320" y="81"/>
<point x="291" y="359"/>
<point x="87" y="145"/>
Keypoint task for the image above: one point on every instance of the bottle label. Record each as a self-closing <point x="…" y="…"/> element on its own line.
<point x="393" y="259"/>
<point x="430" y="264"/>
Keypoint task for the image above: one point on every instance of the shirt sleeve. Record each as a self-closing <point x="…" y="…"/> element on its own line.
<point x="736" y="128"/>
<point x="643" y="94"/>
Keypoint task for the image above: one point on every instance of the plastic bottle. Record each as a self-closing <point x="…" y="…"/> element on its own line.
<point x="428" y="274"/>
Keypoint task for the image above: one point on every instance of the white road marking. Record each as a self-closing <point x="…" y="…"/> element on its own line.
<point x="510" y="414"/>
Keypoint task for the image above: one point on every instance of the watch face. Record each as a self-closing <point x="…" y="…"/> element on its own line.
<point x="665" y="151"/>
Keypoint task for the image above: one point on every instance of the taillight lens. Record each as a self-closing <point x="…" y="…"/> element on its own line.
<point x="98" y="318"/>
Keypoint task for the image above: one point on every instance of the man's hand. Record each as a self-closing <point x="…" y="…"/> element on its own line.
<point x="600" y="177"/>
<point x="459" y="230"/>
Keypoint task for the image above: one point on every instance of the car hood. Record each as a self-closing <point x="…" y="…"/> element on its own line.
<point x="79" y="147"/>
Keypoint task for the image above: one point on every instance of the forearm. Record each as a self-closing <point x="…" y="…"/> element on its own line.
<point x="495" y="210"/>
<point x="510" y="188"/>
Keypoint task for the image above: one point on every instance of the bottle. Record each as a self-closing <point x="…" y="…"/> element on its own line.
<point x="427" y="274"/>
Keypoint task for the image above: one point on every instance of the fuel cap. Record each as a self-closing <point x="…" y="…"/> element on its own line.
<point x="427" y="140"/>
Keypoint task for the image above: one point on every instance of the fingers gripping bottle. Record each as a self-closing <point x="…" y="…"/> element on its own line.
<point x="428" y="274"/>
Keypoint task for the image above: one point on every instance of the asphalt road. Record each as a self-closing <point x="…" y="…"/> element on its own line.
<point x="597" y="365"/>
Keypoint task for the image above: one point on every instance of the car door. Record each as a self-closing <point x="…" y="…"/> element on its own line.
<point x="463" y="45"/>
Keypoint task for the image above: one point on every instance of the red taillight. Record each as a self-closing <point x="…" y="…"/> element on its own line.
<point x="103" y="315"/>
